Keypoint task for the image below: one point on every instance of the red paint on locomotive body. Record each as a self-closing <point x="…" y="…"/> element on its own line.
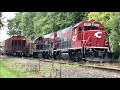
<point x="75" y="42"/>
<point x="55" y="40"/>
<point x="89" y="34"/>
<point x="64" y="38"/>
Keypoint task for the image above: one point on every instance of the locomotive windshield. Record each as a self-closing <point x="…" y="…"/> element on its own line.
<point x="91" y="28"/>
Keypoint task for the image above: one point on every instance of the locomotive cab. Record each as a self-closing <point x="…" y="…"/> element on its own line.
<point x="38" y="47"/>
<point x="48" y="45"/>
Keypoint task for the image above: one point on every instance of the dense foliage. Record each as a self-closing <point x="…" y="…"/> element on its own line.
<point x="34" y="24"/>
<point x="1" y="22"/>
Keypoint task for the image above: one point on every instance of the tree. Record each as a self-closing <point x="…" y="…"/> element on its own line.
<point x="111" y="21"/>
<point x="1" y="22"/>
<point x="35" y="24"/>
<point x="14" y="25"/>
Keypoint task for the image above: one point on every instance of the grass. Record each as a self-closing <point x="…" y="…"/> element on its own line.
<point x="11" y="69"/>
<point x="8" y="69"/>
<point x="10" y="72"/>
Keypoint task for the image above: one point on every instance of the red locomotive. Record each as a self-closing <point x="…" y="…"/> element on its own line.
<point x="85" y="39"/>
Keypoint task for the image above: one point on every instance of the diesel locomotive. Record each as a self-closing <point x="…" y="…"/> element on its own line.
<point x="84" y="41"/>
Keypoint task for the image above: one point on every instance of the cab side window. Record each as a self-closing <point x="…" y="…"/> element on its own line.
<point x="101" y="28"/>
<point x="80" y="29"/>
<point x="74" y="30"/>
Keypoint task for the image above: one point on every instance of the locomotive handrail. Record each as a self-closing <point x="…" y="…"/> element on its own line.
<point x="87" y="41"/>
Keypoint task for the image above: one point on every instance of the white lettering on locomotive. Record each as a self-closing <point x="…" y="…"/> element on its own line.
<point x="97" y="25"/>
<point x="87" y="24"/>
<point x="97" y="34"/>
<point x="74" y="38"/>
<point x="65" y="38"/>
<point x="91" y="24"/>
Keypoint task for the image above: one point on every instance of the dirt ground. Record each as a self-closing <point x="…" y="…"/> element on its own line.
<point x="43" y="69"/>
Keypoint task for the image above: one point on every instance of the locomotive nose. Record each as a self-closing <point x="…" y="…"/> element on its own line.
<point x="98" y="34"/>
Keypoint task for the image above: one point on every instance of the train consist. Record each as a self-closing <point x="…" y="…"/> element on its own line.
<point x="82" y="41"/>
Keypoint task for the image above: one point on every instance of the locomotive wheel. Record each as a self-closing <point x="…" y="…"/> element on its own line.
<point x="54" y="56"/>
<point x="72" y="56"/>
<point x="108" y="56"/>
<point x="46" y="55"/>
<point x="75" y="56"/>
<point x="79" y="55"/>
<point x="43" y="55"/>
<point x="59" y="55"/>
<point x="14" y="54"/>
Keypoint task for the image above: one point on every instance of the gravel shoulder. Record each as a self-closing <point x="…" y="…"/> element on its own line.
<point x="41" y="69"/>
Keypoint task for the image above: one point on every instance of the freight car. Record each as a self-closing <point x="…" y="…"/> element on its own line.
<point x="85" y="40"/>
<point x="16" y="46"/>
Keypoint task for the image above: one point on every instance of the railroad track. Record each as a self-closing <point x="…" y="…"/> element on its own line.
<point x="102" y="68"/>
<point x="87" y="66"/>
<point x="76" y="63"/>
<point x="83" y="64"/>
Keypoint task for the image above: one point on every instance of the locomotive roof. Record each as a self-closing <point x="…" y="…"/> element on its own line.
<point x="77" y="24"/>
<point x="37" y="38"/>
<point x="90" y="21"/>
<point x="44" y="36"/>
<point x="65" y="29"/>
<point x="48" y="35"/>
